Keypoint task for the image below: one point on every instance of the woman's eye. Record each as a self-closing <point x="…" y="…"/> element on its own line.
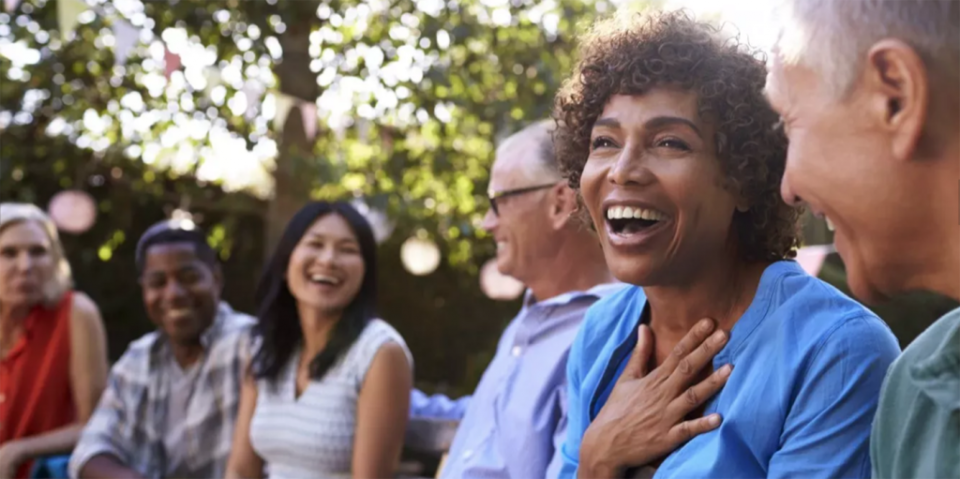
<point x="602" y="142"/>
<point x="673" y="143"/>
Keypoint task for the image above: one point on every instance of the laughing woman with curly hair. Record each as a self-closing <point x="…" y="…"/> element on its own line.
<point x="726" y="359"/>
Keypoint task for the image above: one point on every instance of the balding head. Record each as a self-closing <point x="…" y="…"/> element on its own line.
<point x="530" y="153"/>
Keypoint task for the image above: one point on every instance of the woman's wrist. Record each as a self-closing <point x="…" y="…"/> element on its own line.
<point x="596" y="462"/>
<point x="15" y="452"/>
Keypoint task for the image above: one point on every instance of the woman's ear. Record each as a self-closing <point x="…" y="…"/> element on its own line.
<point x="741" y="202"/>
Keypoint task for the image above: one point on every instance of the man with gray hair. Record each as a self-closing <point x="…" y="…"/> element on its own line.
<point x="868" y="92"/>
<point x="515" y="422"/>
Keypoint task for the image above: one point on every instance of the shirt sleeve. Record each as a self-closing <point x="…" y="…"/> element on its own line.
<point x="576" y="419"/>
<point x="827" y="431"/>
<point x="437" y="406"/>
<point x="104" y="432"/>
<point x="559" y="435"/>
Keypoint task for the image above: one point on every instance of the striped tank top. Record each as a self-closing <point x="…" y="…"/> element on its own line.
<point x="312" y="436"/>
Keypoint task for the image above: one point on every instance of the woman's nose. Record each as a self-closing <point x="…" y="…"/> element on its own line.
<point x="327" y="256"/>
<point x="25" y="261"/>
<point x="630" y="168"/>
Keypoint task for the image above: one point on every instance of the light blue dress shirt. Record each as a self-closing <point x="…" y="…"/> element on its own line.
<point x="808" y="366"/>
<point x="515" y="422"/>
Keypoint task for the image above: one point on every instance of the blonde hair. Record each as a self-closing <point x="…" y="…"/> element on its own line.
<point x="62" y="279"/>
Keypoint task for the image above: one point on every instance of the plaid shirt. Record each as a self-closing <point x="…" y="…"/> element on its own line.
<point x="130" y="419"/>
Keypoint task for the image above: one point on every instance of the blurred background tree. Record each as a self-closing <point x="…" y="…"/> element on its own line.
<point x="401" y="104"/>
<point x="240" y="111"/>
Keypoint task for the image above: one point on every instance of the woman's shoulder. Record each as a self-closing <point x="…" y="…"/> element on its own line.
<point x="82" y="304"/>
<point x="790" y="290"/>
<point x="812" y="308"/>
<point x="607" y="323"/>
<point x="376" y="334"/>
<point x="85" y="316"/>
<point x="614" y="311"/>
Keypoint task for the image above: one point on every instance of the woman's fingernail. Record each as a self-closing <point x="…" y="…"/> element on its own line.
<point x="714" y="420"/>
<point x="726" y="369"/>
<point x="706" y="325"/>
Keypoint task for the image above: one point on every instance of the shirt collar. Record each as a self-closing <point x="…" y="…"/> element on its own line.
<point x="597" y="291"/>
<point x="938" y="375"/>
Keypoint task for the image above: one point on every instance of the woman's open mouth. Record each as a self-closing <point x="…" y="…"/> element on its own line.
<point x="631" y="226"/>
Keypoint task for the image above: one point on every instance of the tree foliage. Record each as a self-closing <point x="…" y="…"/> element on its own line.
<point x="412" y="98"/>
<point x="412" y="95"/>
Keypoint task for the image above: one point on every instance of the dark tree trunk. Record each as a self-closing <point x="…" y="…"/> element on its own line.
<point x="294" y="174"/>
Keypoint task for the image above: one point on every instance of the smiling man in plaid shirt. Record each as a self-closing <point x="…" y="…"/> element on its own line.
<point x="171" y="401"/>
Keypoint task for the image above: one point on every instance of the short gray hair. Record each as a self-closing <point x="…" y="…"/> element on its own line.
<point x="62" y="279"/>
<point x="544" y="165"/>
<point x="832" y="36"/>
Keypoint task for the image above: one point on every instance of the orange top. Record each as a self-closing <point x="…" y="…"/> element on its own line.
<point x="35" y="391"/>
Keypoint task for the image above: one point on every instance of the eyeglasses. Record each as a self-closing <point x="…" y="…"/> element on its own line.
<point x="497" y="195"/>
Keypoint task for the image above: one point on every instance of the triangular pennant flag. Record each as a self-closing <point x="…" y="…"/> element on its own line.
<point x="309" y="112"/>
<point x="126" y="37"/>
<point x="10" y="5"/>
<point x="283" y="105"/>
<point x="811" y="258"/>
<point x="171" y="62"/>
<point x="67" y="13"/>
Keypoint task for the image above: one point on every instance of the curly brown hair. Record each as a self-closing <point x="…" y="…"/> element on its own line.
<point x="630" y="54"/>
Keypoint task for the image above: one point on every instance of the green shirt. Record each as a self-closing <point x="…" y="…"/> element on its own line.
<point x="916" y="433"/>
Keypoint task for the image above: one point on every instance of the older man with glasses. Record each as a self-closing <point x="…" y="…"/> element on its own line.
<point x="515" y="422"/>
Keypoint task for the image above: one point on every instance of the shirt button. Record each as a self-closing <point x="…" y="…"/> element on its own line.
<point x="3" y="397"/>
<point x="517" y="350"/>
<point x="467" y="454"/>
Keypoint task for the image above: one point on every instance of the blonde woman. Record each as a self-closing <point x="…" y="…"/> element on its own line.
<point x="53" y="360"/>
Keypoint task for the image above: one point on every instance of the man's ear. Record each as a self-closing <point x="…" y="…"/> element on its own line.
<point x="564" y="205"/>
<point x="896" y="82"/>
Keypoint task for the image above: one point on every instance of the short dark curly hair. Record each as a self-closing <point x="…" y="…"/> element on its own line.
<point x="630" y="54"/>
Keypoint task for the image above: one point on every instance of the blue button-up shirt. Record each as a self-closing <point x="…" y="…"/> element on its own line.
<point x="808" y="366"/>
<point x="515" y="422"/>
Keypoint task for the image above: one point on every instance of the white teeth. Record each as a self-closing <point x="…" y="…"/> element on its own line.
<point x="649" y="215"/>
<point x="319" y="278"/>
<point x="829" y="224"/>
<point x="626" y="212"/>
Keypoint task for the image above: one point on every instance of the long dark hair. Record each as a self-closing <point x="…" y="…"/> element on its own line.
<point x="278" y="322"/>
